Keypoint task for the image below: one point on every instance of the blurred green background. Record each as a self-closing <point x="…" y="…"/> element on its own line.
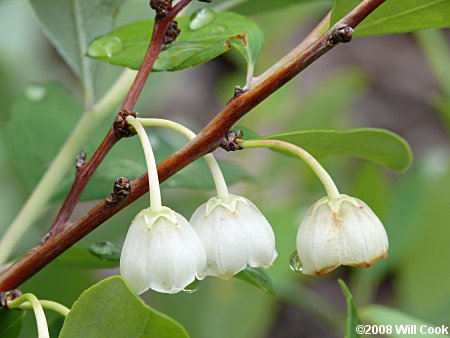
<point x="390" y="82"/>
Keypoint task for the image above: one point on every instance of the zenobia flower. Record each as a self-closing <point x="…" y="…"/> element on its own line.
<point x="235" y="233"/>
<point x="162" y="252"/>
<point x="340" y="231"/>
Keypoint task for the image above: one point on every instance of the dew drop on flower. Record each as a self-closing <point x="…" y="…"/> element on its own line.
<point x="106" y="46"/>
<point x="294" y="262"/>
<point x="35" y="92"/>
<point x="201" y="18"/>
<point x="193" y="287"/>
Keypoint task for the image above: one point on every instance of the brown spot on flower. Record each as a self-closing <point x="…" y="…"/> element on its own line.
<point x="328" y="269"/>
<point x="324" y="271"/>
<point x="369" y="264"/>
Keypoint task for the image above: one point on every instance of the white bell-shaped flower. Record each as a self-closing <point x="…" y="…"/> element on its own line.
<point x="340" y="231"/>
<point x="162" y="252"/>
<point x="235" y="233"/>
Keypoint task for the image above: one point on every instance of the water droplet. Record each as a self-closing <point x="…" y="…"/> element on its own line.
<point x="106" y="46"/>
<point x="201" y="18"/>
<point x="294" y="262"/>
<point x="35" y="92"/>
<point x="193" y="287"/>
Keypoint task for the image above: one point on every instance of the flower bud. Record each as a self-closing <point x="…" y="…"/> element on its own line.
<point x="161" y="252"/>
<point x="235" y="233"/>
<point x="341" y="231"/>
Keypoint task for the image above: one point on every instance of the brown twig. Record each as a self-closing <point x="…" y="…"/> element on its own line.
<point x="162" y="25"/>
<point x="208" y="139"/>
<point x="84" y="171"/>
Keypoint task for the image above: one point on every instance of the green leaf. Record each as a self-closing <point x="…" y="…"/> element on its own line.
<point x="71" y="24"/>
<point x="80" y="258"/>
<point x="427" y="228"/>
<point x="111" y="309"/>
<point x="251" y="7"/>
<point x="11" y="322"/>
<point x="382" y="315"/>
<point x="126" y="46"/>
<point x="352" y="320"/>
<point x="397" y="16"/>
<point x="258" y="278"/>
<point x="436" y="48"/>
<point x="37" y="126"/>
<point x="377" y="145"/>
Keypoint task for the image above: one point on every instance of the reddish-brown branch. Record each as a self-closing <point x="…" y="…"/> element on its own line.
<point x="205" y="142"/>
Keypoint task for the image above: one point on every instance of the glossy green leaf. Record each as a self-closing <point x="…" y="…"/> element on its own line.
<point x="251" y="7"/>
<point x="198" y="42"/>
<point x="352" y="320"/>
<point x="80" y="258"/>
<point x="377" y="145"/>
<point x="71" y="24"/>
<point x="111" y="309"/>
<point x="11" y="322"/>
<point x="382" y="315"/>
<point x="258" y="278"/>
<point x="397" y="16"/>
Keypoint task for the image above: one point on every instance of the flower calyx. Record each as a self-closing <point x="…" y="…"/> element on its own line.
<point x="229" y="203"/>
<point x="151" y="216"/>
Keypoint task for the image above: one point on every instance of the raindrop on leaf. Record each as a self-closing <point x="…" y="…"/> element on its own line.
<point x="106" y="46"/>
<point x="201" y="18"/>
